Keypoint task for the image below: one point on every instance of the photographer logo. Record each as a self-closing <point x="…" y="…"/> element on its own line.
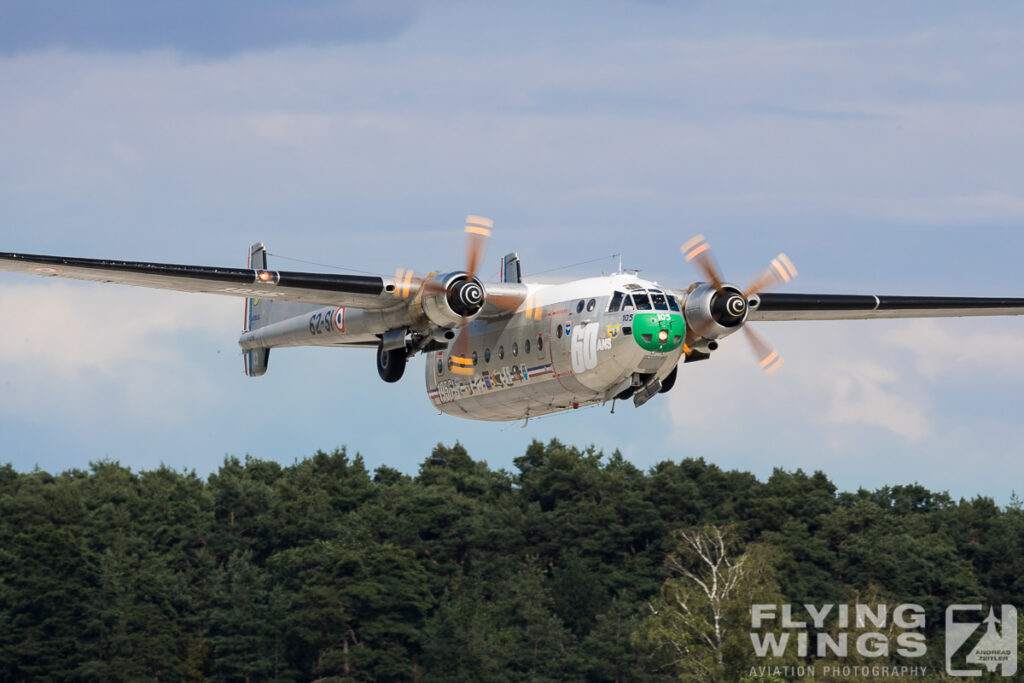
<point x="976" y="642"/>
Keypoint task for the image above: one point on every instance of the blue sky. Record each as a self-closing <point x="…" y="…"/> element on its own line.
<point x="879" y="147"/>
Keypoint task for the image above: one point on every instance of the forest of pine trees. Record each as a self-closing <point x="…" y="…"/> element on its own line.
<point x="563" y="569"/>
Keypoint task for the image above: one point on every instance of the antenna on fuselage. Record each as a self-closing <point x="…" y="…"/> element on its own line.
<point x="620" y="263"/>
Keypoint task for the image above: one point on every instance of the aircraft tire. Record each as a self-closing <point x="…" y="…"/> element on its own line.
<point x="390" y="363"/>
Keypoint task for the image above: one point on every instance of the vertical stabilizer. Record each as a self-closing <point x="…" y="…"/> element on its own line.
<point x="255" y="316"/>
<point x="510" y="269"/>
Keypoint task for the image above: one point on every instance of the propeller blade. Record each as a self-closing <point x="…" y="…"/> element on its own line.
<point x="697" y="332"/>
<point x="478" y="229"/>
<point x="462" y="353"/>
<point x="767" y="357"/>
<point x="407" y="283"/>
<point x="432" y="286"/>
<point x="508" y="302"/>
<point x="780" y="270"/>
<point x="698" y="250"/>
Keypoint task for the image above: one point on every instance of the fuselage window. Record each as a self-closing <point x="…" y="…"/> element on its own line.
<point x="440" y="366"/>
<point x="487" y="355"/>
<point x="591" y="305"/>
<point x="501" y="353"/>
<point x="526" y="348"/>
<point x="627" y="303"/>
<point x="540" y="343"/>
<point x="515" y="348"/>
<point x="658" y="299"/>
<point x="615" y="303"/>
<point x="672" y="303"/>
<point x="558" y="331"/>
<point x="642" y="302"/>
<point x="579" y="306"/>
<point x="474" y="359"/>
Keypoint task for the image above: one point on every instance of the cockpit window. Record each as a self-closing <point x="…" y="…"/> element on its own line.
<point x="672" y="303"/>
<point x="627" y="303"/>
<point x="658" y="299"/>
<point x="642" y="302"/>
<point x="615" y="303"/>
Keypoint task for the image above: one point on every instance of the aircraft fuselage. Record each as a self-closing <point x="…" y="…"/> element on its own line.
<point x="584" y="347"/>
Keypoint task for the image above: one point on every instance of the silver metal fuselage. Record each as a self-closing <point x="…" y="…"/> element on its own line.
<point x="575" y="354"/>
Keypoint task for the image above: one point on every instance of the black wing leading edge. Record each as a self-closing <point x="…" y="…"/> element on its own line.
<point x="314" y="288"/>
<point x="780" y="306"/>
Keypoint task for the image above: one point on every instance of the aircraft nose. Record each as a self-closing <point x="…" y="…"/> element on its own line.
<point x="659" y="332"/>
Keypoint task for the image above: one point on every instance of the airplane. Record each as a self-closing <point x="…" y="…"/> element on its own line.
<point x="511" y="350"/>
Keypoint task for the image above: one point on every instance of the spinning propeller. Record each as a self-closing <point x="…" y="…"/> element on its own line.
<point x="728" y="306"/>
<point x="462" y="294"/>
<point x="466" y="295"/>
<point x="478" y="229"/>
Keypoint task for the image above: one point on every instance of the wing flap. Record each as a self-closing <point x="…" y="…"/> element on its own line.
<point x="782" y="306"/>
<point x="360" y="291"/>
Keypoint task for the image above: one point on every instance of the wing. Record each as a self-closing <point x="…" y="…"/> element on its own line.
<point x="780" y="306"/>
<point x="358" y="291"/>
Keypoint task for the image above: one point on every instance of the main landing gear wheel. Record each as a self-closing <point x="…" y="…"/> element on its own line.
<point x="390" y="363"/>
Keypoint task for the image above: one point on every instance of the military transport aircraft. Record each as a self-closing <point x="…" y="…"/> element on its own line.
<point x="510" y="350"/>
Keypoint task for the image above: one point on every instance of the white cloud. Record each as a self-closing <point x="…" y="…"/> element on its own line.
<point x="867" y="393"/>
<point x="62" y="342"/>
<point x="875" y="374"/>
<point x="978" y="348"/>
<point x="685" y="117"/>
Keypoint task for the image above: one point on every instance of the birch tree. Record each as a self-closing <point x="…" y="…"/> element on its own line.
<point x="699" y="623"/>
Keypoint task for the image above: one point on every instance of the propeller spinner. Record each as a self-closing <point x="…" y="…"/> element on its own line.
<point x="727" y="306"/>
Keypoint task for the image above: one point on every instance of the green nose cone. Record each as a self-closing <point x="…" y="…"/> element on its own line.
<point x="647" y="328"/>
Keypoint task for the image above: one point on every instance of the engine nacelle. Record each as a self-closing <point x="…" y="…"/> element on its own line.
<point x="712" y="315"/>
<point x="451" y="299"/>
